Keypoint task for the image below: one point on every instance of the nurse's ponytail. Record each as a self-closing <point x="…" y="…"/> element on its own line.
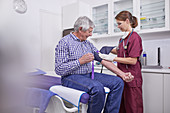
<point x="134" y="22"/>
<point x="123" y="15"/>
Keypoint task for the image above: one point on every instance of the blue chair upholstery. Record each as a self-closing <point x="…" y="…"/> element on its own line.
<point x="45" y="82"/>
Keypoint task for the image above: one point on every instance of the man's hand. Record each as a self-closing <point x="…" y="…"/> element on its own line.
<point x="86" y="58"/>
<point x="106" y="49"/>
<point x="107" y="57"/>
<point x="128" y="77"/>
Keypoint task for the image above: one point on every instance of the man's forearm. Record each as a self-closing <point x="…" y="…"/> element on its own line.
<point x="113" y="68"/>
<point x="127" y="77"/>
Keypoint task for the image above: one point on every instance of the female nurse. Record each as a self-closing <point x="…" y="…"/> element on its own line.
<point x="128" y="52"/>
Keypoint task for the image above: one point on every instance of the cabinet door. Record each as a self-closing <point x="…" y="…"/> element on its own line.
<point x="50" y="35"/>
<point x="154" y="14"/>
<point x="166" y="93"/>
<point x="153" y="92"/>
<point x="100" y="19"/>
<point x="118" y="6"/>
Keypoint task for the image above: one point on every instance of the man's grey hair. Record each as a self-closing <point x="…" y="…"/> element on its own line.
<point x="83" y="22"/>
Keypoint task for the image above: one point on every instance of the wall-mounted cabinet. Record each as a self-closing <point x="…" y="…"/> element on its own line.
<point x="100" y="13"/>
<point x="152" y="15"/>
<point x="100" y="19"/>
<point x="119" y="6"/>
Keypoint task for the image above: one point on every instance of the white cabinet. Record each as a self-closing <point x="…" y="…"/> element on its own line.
<point x="166" y="93"/>
<point x="152" y="15"/>
<point x="118" y="6"/>
<point x="100" y="19"/>
<point x="100" y="13"/>
<point x="153" y="92"/>
<point x="156" y="92"/>
<point x="72" y="11"/>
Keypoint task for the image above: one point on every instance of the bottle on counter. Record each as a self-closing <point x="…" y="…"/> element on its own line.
<point x="144" y="58"/>
<point x="141" y="59"/>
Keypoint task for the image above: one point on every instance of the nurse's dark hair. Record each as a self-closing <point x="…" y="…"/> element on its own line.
<point x="83" y="22"/>
<point x="123" y="15"/>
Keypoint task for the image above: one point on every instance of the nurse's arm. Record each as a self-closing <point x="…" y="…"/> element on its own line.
<point x="128" y="60"/>
<point x="127" y="77"/>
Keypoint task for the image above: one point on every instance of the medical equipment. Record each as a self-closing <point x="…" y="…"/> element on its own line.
<point x="56" y="104"/>
<point x="39" y="86"/>
<point x="106" y="49"/>
<point x="92" y="74"/>
<point x="122" y="40"/>
<point x="73" y="96"/>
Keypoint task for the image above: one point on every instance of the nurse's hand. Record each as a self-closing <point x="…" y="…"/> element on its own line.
<point x="128" y="77"/>
<point x="86" y="58"/>
<point x="107" y="57"/>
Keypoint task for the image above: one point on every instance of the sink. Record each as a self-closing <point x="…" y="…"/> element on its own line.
<point x="152" y="67"/>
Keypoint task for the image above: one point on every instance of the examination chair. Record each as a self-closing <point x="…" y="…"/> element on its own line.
<point x="47" y="95"/>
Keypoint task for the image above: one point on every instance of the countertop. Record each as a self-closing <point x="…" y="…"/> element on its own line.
<point x="163" y="70"/>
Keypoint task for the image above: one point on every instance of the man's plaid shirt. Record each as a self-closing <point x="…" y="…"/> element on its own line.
<point x="67" y="53"/>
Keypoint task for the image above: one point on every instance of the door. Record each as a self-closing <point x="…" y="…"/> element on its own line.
<point x="166" y="93"/>
<point x="153" y="92"/>
<point x="51" y="32"/>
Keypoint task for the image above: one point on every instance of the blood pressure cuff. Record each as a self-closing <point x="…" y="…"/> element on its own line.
<point x="97" y="57"/>
<point x="106" y="49"/>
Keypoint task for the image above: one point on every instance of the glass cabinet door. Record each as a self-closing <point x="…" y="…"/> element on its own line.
<point x="100" y="19"/>
<point x="121" y="5"/>
<point x="152" y="14"/>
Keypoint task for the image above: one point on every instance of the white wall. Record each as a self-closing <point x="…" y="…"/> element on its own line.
<point x="150" y="46"/>
<point x="22" y="31"/>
